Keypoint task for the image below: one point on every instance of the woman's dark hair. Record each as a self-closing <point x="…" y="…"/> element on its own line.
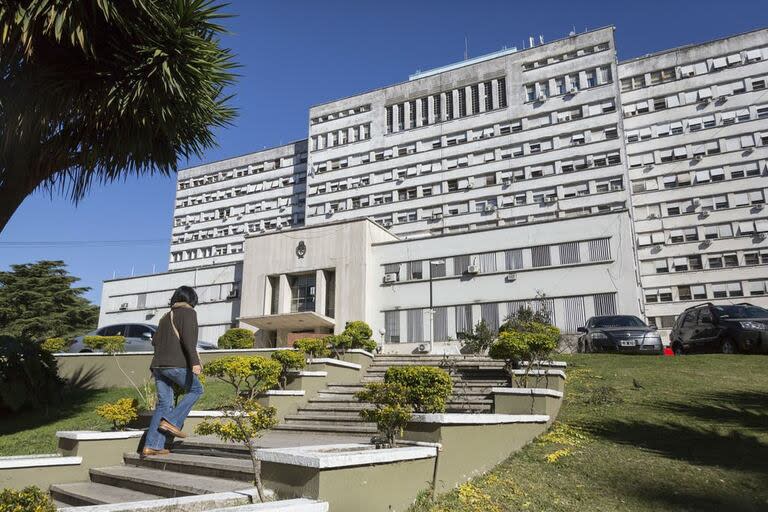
<point x="184" y="294"/>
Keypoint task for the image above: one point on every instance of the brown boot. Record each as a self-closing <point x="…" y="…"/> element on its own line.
<point x="171" y="429"/>
<point x="146" y="452"/>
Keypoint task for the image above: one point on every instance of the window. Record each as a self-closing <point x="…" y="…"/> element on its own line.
<point x="540" y="256"/>
<point x="730" y="260"/>
<point x="751" y="258"/>
<point x="461" y="264"/>
<point x="694" y="262"/>
<point x="513" y="259"/>
<point x="699" y="291"/>
<point x="464" y="319"/>
<point x="569" y="253"/>
<point x="489" y="313"/>
<point x="415" y="318"/>
<point x="502" y="83"/>
<point x="415" y="270"/>
<point x="684" y="293"/>
<point x="661" y="266"/>
<point x="392" y="326"/>
<point x="758" y="287"/>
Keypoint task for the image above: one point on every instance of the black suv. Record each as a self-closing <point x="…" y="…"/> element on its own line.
<point x="727" y="329"/>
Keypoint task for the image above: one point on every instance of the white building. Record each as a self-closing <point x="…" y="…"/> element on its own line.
<point x="490" y="182"/>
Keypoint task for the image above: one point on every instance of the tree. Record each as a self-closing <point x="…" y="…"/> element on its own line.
<point x="391" y="411"/>
<point x="478" y="340"/>
<point x="93" y="91"/>
<point x="528" y="341"/>
<point x="248" y="375"/>
<point x="37" y="301"/>
<point x="236" y="338"/>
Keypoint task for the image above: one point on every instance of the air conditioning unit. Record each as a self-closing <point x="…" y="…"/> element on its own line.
<point x="507" y="181"/>
<point x="749" y="151"/>
<point x="437" y="216"/>
<point x="473" y="269"/>
<point x="422" y="348"/>
<point x="704" y="101"/>
<point x="390" y="277"/>
<point x="123" y="306"/>
<point x="706" y="243"/>
<point x="541" y="97"/>
<point x="233" y="293"/>
<point x="550" y="199"/>
<point x="387" y="223"/>
<point x="489" y="208"/>
<point x="722" y="99"/>
<point x="649" y="167"/>
<point x="511" y="277"/>
<point x="653" y="216"/>
<point x="573" y="90"/>
<point x="760" y="236"/>
<point x="704" y="214"/>
<point x="697" y="158"/>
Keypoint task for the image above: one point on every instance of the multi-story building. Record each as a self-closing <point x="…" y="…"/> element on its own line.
<point x="489" y="183"/>
<point x="696" y="124"/>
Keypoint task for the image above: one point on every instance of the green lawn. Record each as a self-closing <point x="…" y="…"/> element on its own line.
<point x="27" y="433"/>
<point x="693" y="437"/>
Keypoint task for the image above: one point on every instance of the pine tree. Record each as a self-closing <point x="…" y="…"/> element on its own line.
<point x="38" y="300"/>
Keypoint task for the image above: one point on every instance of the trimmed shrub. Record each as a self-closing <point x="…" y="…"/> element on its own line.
<point x="248" y="375"/>
<point x="54" y="345"/>
<point x="427" y="388"/>
<point x="28" y="375"/>
<point x="29" y="499"/>
<point x="313" y="347"/>
<point x="120" y="413"/>
<point x="290" y="360"/>
<point x="107" y="344"/>
<point x="391" y="409"/>
<point x="236" y="339"/>
<point x="478" y="340"/>
<point x="357" y="334"/>
<point x="530" y="342"/>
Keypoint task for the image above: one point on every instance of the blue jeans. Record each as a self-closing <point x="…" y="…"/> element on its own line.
<point x="165" y="378"/>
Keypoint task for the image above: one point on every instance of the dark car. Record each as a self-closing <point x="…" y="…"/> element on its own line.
<point x="619" y="333"/>
<point x="138" y="338"/>
<point x="727" y="329"/>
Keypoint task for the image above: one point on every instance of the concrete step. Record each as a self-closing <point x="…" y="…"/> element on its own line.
<point x="80" y="494"/>
<point x="162" y="483"/>
<point x="324" y="416"/>
<point x="363" y="428"/>
<point x="204" y="465"/>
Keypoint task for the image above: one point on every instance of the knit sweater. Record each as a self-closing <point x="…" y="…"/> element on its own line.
<point x="170" y="351"/>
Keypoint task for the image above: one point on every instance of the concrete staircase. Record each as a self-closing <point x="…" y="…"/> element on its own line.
<point x="335" y="409"/>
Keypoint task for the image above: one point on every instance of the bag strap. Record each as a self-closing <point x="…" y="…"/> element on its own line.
<point x="173" y="326"/>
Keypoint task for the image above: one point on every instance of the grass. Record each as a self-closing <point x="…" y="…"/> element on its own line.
<point x="33" y="432"/>
<point x="693" y="437"/>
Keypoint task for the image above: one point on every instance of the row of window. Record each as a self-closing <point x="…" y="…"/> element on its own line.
<point x="708" y="65"/>
<point x="341" y="113"/>
<point x="341" y="137"/>
<point x="695" y="177"/>
<point x="710" y="261"/>
<point x="510" y="260"/>
<point x="236" y="211"/>
<point x="718" y="92"/>
<point x="568" y="84"/>
<point x="206" y="252"/>
<point x="703" y="204"/>
<point x="695" y="124"/>
<point x="704" y="232"/>
<point x="249" y="170"/>
<point x="467" y="136"/>
<point x="706" y="291"/>
<point x="279" y="222"/>
<point x="491" y="155"/>
<point x="445" y="106"/>
<point x="448" y="322"/>
<point x="251" y="188"/>
<point x="573" y="54"/>
<point x="745" y="142"/>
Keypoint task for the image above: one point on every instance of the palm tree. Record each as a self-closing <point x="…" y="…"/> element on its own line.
<point x="96" y="90"/>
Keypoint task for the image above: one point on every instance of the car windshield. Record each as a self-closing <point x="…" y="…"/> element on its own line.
<point x="741" y="312"/>
<point x="617" y="321"/>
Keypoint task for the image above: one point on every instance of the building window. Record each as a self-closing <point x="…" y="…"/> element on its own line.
<point x="488" y="262"/>
<point x="437" y="269"/>
<point x="440" y="324"/>
<point x="464" y="319"/>
<point x="302" y="293"/>
<point x="461" y="264"/>
<point x="392" y="326"/>
<point x="415" y="270"/>
<point x="415" y="325"/>
<point x="605" y="304"/>
<point x="502" y="83"/>
<point x="489" y="313"/>
<point x="513" y="259"/>
<point x="569" y="253"/>
<point x="541" y="256"/>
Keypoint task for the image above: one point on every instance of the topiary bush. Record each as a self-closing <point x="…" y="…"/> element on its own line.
<point x="29" y="499"/>
<point x="427" y="388"/>
<point x="313" y="347"/>
<point x="107" y="344"/>
<point x="237" y="339"/>
<point x="28" y="375"/>
<point x="391" y="409"/>
<point x="120" y="413"/>
<point x="529" y="342"/>
<point x="248" y="375"/>
<point x="54" y="345"/>
<point x="290" y="360"/>
<point x="478" y="340"/>
<point x="356" y="335"/>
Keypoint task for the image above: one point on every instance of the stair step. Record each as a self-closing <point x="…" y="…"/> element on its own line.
<point x="163" y="483"/>
<point x="204" y="465"/>
<point x="81" y="494"/>
<point x="325" y="416"/>
<point x="363" y="428"/>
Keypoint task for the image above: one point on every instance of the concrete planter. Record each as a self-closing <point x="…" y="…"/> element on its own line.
<point x="473" y="443"/>
<point x="348" y="475"/>
<point x="550" y="379"/>
<point x="286" y="401"/>
<point x="339" y="371"/>
<point x="358" y="356"/>
<point x="527" y="401"/>
<point x="18" y="472"/>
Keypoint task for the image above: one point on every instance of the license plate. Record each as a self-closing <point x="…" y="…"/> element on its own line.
<point x="628" y="343"/>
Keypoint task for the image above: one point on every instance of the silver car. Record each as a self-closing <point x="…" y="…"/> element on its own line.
<point x="138" y="338"/>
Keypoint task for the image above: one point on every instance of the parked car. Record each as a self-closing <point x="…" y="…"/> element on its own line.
<point x="727" y="329"/>
<point x="619" y="333"/>
<point x="138" y="338"/>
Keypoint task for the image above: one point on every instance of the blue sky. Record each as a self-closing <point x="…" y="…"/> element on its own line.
<point x="298" y="53"/>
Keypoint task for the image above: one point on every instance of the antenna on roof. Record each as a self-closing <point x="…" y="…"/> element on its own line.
<point x="541" y="39"/>
<point x="530" y="41"/>
<point x="573" y="31"/>
<point x="466" y="47"/>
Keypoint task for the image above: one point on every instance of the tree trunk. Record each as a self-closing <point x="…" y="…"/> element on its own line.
<point x="256" y="472"/>
<point x="12" y="194"/>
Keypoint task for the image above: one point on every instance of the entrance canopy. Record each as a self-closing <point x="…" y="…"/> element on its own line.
<point x="303" y="321"/>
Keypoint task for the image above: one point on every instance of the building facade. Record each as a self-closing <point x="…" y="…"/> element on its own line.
<point x="470" y="190"/>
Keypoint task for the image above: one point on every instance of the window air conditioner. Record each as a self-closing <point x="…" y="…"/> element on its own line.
<point x="653" y="216"/>
<point x="507" y="181"/>
<point x="541" y="97"/>
<point x="233" y="293"/>
<point x="123" y="306"/>
<point x="722" y="99"/>
<point x="387" y="223"/>
<point x="550" y="199"/>
<point x="473" y="269"/>
<point x="390" y="277"/>
<point x="422" y="349"/>
<point x="573" y="90"/>
<point x="697" y="158"/>
<point x="704" y="214"/>
<point x="489" y="208"/>
<point x="706" y="243"/>
<point x="511" y="277"/>
<point x="437" y="216"/>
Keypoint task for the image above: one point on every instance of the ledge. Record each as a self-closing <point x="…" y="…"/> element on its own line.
<point x="359" y="351"/>
<point x="92" y="435"/>
<point x="528" y="392"/>
<point x="343" y="455"/>
<point x="304" y="373"/>
<point x="546" y="373"/>
<point x="294" y="505"/>
<point x="283" y="392"/>
<point x="38" y="461"/>
<point x="215" y="499"/>
<point x="334" y="362"/>
<point x="478" y="419"/>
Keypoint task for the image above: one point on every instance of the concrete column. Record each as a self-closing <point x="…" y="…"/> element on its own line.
<point x="417" y="114"/>
<point x="455" y="94"/>
<point x="395" y="118"/>
<point x="495" y="94"/>
<point x="320" y="292"/>
<point x="267" y="296"/>
<point x="284" y="298"/>
<point x="468" y="100"/>
<point x="431" y="116"/>
<point x="441" y="113"/>
<point x="481" y="96"/>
